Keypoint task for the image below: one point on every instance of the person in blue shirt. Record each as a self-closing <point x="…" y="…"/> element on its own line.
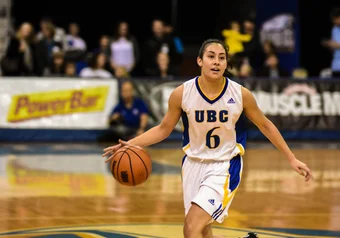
<point x="334" y="42"/>
<point x="130" y="116"/>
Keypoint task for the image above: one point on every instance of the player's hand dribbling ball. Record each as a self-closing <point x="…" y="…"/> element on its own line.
<point x="131" y="165"/>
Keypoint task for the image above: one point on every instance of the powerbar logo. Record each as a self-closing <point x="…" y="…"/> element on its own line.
<point x="299" y="100"/>
<point x="37" y="105"/>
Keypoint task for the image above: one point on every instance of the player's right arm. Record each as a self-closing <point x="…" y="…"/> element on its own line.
<point x="159" y="132"/>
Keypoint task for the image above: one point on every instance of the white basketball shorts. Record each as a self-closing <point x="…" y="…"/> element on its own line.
<point x="211" y="184"/>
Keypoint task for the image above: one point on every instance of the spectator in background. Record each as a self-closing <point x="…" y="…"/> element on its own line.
<point x="234" y="38"/>
<point x="272" y="68"/>
<point x="130" y="117"/>
<point x="104" y="46"/>
<point x="121" y="73"/>
<point x="334" y="43"/>
<point x="268" y="48"/>
<point x="124" y="48"/>
<point x="170" y="31"/>
<point x="70" y="70"/>
<point x="59" y="35"/>
<point x="20" y="58"/>
<point x="245" y="71"/>
<point x="97" y="67"/>
<point x="76" y="46"/>
<point x="165" y="70"/>
<point x="160" y="41"/>
<point x="57" y="67"/>
<point x="252" y="48"/>
<point x="45" y="47"/>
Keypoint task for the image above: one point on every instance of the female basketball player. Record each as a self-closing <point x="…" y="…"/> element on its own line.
<point x="210" y="106"/>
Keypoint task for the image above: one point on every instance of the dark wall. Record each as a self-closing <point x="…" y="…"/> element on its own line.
<point x="315" y="26"/>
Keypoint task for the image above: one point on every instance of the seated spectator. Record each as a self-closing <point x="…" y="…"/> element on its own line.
<point x="70" y="69"/>
<point x="121" y="73"/>
<point x="130" y="117"/>
<point x="57" y="67"/>
<point x="97" y="68"/>
<point x="164" y="67"/>
<point x="272" y="68"/>
<point x="245" y="71"/>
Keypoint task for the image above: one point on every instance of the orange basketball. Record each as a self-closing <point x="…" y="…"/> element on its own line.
<point x="131" y="166"/>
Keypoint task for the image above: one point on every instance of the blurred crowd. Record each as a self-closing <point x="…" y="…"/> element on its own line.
<point x="55" y="52"/>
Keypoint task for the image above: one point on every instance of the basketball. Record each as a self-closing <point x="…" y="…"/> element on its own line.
<point x="131" y="166"/>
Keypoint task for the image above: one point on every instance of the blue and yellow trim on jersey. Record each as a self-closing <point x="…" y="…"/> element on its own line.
<point x="205" y="97"/>
<point x="185" y="135"/>
<point x="231" y="185"/>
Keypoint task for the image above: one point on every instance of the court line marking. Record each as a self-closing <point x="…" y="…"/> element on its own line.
<point x="114" y="216"/>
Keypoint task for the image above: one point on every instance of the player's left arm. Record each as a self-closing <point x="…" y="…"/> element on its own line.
<point x="254" y="113"/>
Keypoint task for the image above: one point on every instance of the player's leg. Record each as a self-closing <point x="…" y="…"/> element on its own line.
<point x="207" y="231"/>
<point x="195" y="222"/>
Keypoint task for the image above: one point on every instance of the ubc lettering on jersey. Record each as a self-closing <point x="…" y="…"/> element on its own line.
<point x="211" y="116"/>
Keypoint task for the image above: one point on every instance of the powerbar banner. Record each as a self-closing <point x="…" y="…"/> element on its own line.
<point x="292" y="105"/>
<point x="56" y="103"/>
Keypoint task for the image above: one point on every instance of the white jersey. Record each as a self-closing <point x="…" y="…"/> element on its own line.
<point x="209" y="131"/>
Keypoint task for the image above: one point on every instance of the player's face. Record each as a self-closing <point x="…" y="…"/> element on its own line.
<point x="214" y="61"/>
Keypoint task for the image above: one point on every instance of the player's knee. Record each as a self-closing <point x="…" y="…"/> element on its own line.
<point x="207" y="232"/>
<point x="191" y="229"/>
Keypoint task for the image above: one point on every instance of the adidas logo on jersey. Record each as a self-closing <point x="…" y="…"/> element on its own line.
<point x="231" y="100"/>
<point x="212" y="201"/>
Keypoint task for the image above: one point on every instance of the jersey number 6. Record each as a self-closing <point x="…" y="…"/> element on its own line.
<point x="212" y="141"/>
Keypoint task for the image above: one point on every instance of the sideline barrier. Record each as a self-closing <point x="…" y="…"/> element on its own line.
<point x="62" y="109"/>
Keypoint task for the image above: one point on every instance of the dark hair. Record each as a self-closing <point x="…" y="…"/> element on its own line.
<point x="93" y="58"/>
<point x="335" y="13"/>
<point x="206" y="43"/>
<point x="116" y="35"/>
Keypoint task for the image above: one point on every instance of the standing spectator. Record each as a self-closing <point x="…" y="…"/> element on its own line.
<point x="20" y="58"/>
<point x="124" y="48"/>
<point x="76" y="46"/>
<point x="234" y="38"/>
<point x="45" y="47"/>
<point x="334" y="43"/>
<point x="59" y="35"/>
<point x="160" y="41"/>
<point x="252" y="48"/>
<point x="104" y="46"/>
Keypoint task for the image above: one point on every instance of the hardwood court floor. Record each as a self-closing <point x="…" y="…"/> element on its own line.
<point x="67" y="191"/>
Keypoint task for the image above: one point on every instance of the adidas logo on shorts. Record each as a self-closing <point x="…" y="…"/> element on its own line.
<point x="212" y="201"/>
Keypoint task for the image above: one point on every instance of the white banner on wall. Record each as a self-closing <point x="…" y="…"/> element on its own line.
<point x="52" y="103"/>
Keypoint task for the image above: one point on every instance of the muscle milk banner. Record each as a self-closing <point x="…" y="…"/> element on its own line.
<point x="293" y="105"/>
